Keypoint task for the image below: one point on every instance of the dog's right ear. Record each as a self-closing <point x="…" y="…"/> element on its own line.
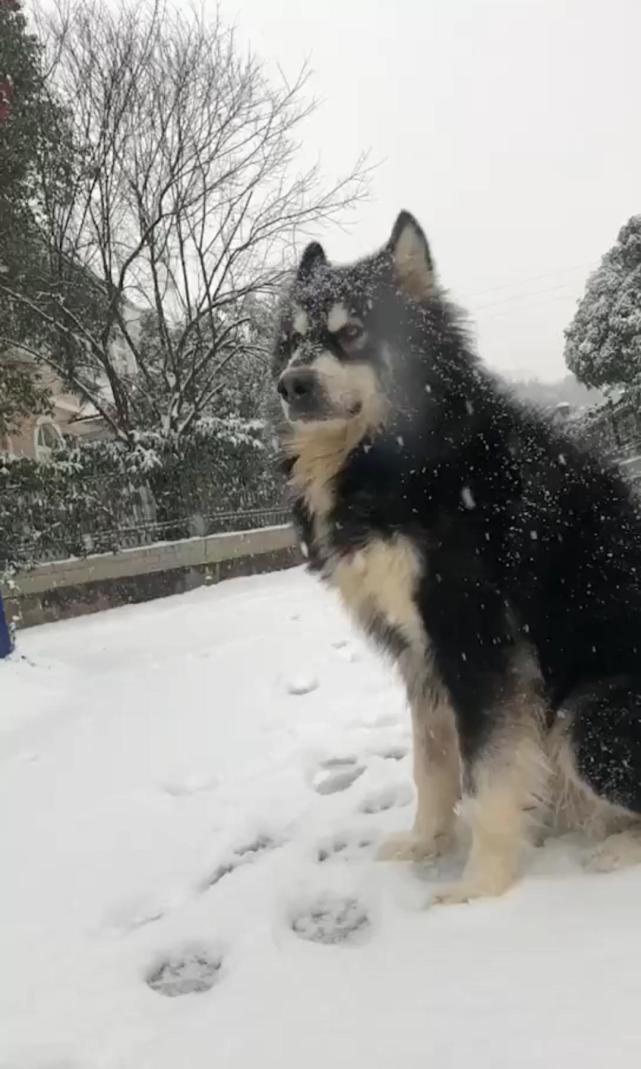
<point x="411" y="258"/>
<point x="313" y="258"/>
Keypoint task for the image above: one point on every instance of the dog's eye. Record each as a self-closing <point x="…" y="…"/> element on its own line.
<point x="351" y="332"/>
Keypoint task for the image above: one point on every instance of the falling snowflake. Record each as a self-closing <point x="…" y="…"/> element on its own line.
<point x="467" y="498"/>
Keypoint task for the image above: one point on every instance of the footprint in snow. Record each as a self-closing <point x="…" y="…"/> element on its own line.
<point x="127" y="916"/>
<point x="331" y="921"/>
<point x="346" y="651"/>
<point x="336" y="774"/>
<point x="387" y="798"/>
<point x="304" y="683"/>
<point x="243" y="855"/>
<point x="381" y="720"/>
<point x="185" y="974"/>
<point x="344" y="847"/>
<point x="392" y="753"/>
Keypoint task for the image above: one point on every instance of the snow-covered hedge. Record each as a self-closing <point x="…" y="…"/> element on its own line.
<point x="103" y="496"/>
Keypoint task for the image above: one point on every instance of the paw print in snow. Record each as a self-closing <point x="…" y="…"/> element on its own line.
<point x="344" y="847"/>
<point x="186" y="974"/>
<point x="243" y="855"/>
<point x="332" y="921"/>
<point x="336" y="774"/>
<point x="387" y="798"/>
<point x="346" y="651"/>
<point x="302" y="683"/>
<point x="392" y="753"/>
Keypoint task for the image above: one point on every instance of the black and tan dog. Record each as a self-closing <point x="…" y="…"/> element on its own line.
<point x="498" y="563"/>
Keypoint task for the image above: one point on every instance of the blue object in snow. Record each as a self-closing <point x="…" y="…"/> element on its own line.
<point x="6" y="643"/>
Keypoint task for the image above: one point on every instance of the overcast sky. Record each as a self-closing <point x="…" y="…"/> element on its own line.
<point x="509" y="127"/>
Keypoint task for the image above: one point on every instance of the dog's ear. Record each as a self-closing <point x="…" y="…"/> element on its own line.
<point x="313" y="258"/>
<point x="411" y="258"/>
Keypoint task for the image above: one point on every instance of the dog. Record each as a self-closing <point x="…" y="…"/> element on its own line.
<point x="494" y="560"/>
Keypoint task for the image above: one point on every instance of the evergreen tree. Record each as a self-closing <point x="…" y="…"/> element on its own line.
<point x="603" y="342"/>
<point x="29" y="125"/>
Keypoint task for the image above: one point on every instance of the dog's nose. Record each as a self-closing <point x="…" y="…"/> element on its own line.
<point x="296" y="385"/>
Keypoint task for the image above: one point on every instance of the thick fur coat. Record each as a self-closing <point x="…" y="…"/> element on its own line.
<point x="493" y="559"/>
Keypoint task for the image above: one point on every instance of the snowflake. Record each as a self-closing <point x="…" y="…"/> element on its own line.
<point x="468" y="498"/>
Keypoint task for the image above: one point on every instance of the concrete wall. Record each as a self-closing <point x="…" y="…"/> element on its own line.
<point x="84" y="585"/>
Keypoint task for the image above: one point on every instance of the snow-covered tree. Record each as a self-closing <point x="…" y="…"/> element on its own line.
<point x="603" y="342"/>
<point x="187" y="197"/>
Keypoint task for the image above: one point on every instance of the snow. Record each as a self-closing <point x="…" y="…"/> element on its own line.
<point x="188" y="875"/>
<point x="302" y="684"/>
<point x="467" y="498"/>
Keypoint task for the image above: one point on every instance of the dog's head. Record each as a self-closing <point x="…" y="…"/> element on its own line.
<point x="341" y="330"/>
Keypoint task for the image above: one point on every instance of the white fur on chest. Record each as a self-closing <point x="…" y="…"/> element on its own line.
<point x="380" y="581"/>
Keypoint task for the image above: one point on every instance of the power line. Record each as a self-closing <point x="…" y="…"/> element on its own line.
<point x="532" y="278"/>
<point x="502" y="314"/>
<point x="526" y="295"/>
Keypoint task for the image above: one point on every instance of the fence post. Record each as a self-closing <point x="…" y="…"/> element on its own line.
<point x="6" y="642"/>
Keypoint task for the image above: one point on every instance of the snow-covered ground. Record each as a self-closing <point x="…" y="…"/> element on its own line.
<point x="191" y="794"/>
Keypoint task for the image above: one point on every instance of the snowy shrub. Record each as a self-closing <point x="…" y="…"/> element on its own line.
<point x="103" y="496"/>
<point x="603" y="342"/>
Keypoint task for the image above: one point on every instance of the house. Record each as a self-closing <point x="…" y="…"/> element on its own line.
<point x="71" y="419"/>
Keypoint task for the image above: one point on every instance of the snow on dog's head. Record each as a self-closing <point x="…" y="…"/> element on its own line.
<point x="346" y="331"/>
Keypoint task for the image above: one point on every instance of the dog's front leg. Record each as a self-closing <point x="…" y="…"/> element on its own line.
<point x="437" y="777"/>
<point x="505" y="781"/>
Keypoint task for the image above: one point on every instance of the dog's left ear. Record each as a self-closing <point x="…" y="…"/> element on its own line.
<point x="411" y="258"/>
<point x="312" y="258"/>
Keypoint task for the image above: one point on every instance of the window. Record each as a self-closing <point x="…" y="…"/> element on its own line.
<point x="47" y="438"/>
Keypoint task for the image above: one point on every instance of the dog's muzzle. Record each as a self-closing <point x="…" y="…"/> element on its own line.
<point x="302" y="393"/>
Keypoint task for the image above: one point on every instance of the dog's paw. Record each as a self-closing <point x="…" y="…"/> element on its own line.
<point x="491" y="885"/>
<point x="408" y="846"/>
<point x="615" y="852"/>
<point x="454" y="894"/>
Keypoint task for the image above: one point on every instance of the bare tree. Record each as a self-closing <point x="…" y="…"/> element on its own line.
<point x="179" y="211"/>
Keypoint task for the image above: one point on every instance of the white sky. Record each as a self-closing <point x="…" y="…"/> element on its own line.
<point x="509" y="127"/>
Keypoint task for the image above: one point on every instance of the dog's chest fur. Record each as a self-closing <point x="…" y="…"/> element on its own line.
<point x="377" y="580"/>
<point x="377" y="584"/>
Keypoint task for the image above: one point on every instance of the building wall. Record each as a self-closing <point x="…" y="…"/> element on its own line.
<point x="66" y="408"/>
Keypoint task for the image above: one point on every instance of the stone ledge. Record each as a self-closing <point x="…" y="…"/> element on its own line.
<point x="159" y="557"/>
<point x="80" y="586"/>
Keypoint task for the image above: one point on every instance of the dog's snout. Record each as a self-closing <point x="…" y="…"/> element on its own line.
<point x="296" y="385"/>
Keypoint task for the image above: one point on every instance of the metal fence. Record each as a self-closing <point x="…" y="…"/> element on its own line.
<point x="615" y="432"/>
<point x="146" y="533"/>
<point x="108" y="512"/>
